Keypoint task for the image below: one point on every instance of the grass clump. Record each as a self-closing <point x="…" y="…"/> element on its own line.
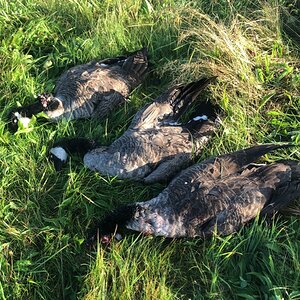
<point x="45" y="215"/>
<point x="143" y="276"/>
<point x="257" y="72"/>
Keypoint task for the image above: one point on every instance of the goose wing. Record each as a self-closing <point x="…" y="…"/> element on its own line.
<point x="168" y="107"/>
<point x="192" y="210"/>
<point x="187" y="145"/>
<point x="169" y="167"/>
<point x="265" y="190"/>
<point x="138" y="149"/>
<point x="84" y="81"/>
<point x="227" y="164"/>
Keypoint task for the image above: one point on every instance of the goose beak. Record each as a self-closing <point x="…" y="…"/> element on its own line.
<point x="13" y="124"/>
<point x="14" y="119"/>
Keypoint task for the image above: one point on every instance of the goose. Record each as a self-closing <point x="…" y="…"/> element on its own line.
<point x="93" y="89"/>
<point x="219" y="195"/>
<point x="155" y="146"/>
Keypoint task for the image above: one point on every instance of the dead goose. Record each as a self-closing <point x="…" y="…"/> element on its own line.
<point x="92" y="89"/>
<point x="155" y="146"/>
<point x="219" y="194"/>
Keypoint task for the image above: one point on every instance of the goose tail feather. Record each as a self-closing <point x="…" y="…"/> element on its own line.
<point x="205" y="111"/>
<point x="249" y="155"/>
<point x="288" y="189"/>
<point x="182" y="96"/>
<point x="137" y="63"/>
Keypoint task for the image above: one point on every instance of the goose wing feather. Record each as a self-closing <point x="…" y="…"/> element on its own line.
<point x="84" y="80"/>
<point x="224" y="165"/>
<point x="288" y="188"/>
<point x="107" y="102"/>
<point x="169" y="106"/>
<point x="168" y="168"/>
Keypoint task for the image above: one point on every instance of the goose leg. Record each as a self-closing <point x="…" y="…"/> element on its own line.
<point x="224" y="223"/>
<point x="168" y="168"/>
<point x="107" y="103"/>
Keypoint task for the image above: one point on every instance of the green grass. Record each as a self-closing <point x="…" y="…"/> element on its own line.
<point x="45" y="215"/>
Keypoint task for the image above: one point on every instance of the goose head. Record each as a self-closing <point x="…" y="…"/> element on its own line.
<point x="60" y="151"/>
<point x="58" y="155"/>
<point x="23" y="114"/>
<point x="16" y="116"/>
<point x="46" y="100"/>
<point x="110" y="227"/>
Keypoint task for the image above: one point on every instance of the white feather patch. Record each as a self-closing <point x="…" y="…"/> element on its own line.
<point x="60" y="153"/>
<point x="17" y="115"/>
<point x="203" y="117"/>
<point x="173" y="123"/>
<point x="24" y="120"/>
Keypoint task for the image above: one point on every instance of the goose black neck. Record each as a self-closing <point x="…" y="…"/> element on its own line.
<point x="30" y="110"/>
<point x="77" y="145"/>
<point x="116" y="219"/>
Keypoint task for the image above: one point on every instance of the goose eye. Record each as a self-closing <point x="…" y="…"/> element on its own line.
<point x="105" y="239"/>
<point x="15" y="120"/>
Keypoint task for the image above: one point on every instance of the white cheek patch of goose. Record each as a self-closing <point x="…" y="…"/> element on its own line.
<point x="17" y="115"/>
<point x="60" y="153"/>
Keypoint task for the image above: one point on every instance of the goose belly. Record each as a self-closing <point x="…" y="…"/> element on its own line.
<point x="81" y="93"/>
<point x="134" y="155"/>
<point x="123" y="166"/>
<point x="72" y="111"/>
